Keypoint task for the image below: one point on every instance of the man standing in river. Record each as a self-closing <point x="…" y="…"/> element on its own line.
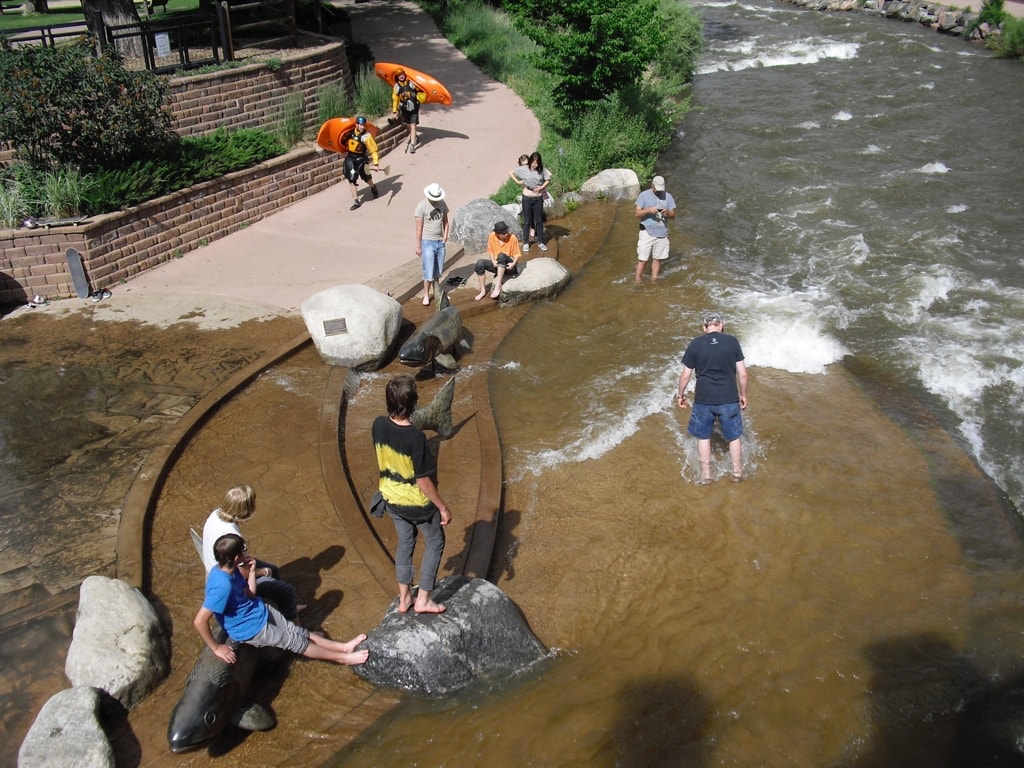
<point x="717" y="359"/>
<point x="654" y="207"/>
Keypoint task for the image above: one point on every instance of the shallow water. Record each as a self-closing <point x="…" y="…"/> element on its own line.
<point x="849" y="198"/>
<point x="798" y="618"/>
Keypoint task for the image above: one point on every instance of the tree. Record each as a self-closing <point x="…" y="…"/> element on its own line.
<point x="112" y="13"/>
<point x="594" y="47"/>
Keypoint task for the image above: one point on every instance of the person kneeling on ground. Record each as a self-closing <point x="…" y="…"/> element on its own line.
<point x="503" y="249"/>
<point x="231" y="597"/>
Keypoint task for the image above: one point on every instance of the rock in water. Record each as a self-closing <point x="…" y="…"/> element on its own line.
<point x="482" y="635"/>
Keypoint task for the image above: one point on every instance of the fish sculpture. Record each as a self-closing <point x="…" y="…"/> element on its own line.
<point x="438" y="415"/>
<point x="434" y="341"/>
<point x="217" y="694"/>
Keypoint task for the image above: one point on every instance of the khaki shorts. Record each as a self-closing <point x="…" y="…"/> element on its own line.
<point x="648" y="246"/>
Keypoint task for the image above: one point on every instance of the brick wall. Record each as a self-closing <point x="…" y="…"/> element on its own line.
<point x="117" y="246"/>
<point x="251" y="96"/>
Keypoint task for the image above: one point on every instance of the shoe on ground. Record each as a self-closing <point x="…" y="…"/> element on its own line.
<point x="526" y="247"/>
<point x="412" y="148"/>
<point x="39" y="301"/>
<point x="355" y="204"/>
<point x="542" y="247"/>
<point x="374" y="192"/>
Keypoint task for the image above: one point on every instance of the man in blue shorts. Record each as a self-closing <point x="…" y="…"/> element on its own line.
<point x="717" y="360"/>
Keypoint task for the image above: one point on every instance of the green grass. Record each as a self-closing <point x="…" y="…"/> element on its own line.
<point x="12" y="21"/>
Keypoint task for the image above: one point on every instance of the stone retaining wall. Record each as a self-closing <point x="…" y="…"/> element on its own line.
<point x="119" y="245"/>
<point x="939" y="17"/>
<point x="251" y="96"/>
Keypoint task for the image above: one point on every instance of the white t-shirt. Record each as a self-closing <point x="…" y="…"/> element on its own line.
<point x="213" y="529"/>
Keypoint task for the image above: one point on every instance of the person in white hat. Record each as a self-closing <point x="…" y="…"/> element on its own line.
<point x="654" y="207"/>
<point x="431" y="235"/>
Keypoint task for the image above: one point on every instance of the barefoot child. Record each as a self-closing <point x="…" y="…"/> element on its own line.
<point x="406" y="482"/>
<point x="503" y="259"/>
<point x="231" y="597"/>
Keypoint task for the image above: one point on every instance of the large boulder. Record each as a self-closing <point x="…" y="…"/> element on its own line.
<point x="612" y="184"/>
<point x="482" y="635"/>
<point x="474" y="222"/>
<point x="68" y="731"/>
<point x="539" y="278"/>
<point x="353" y="326"/>
<point x="118" y="644"/>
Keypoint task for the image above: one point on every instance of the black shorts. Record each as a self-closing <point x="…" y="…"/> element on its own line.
<point x="355" y="168"/>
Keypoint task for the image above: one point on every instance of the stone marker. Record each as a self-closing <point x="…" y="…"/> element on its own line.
<point x="353" y="326"/>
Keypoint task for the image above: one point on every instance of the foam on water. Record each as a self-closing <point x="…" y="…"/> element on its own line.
<point x="747" y="54"/>
<point x="605" y="428"/>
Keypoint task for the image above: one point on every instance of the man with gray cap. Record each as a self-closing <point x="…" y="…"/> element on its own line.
<point x="654" y="207"/>
<point x="431" y="217"/>
<point x="717" y="360"/>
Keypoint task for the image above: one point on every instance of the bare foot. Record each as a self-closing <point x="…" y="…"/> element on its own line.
<point x="480" y="295"/>
<point x="429" y="607"/>
<point x="426" y="300"/>
<point x="301" y="607"/>
<point x="404" y="607"/>
<point x="354" y="658"/>
<point x="495" y="294"/>
<point x="352" y="644"/>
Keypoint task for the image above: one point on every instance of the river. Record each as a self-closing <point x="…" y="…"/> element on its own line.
<point x="849" y="198"/>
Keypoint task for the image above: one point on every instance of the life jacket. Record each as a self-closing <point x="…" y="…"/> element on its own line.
<point x="355" y="143"/>
<point x="407" y="95"/>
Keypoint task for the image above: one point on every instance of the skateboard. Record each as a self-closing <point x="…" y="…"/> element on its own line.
<point x="77" y="273"/>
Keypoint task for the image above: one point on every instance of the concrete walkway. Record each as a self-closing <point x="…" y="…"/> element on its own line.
<point x="318" y="243"/>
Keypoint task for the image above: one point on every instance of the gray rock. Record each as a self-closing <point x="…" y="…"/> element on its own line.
<point x="361" y="328"/>
<point x="473" y="223"/>
<point x="68" y="732"/>
<point x="539" y="278"/>
<point x="118" y="644"/>
<point x="612" y="184"/>
<point x="482" y="635"/>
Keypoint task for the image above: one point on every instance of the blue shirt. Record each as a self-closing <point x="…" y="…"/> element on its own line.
<point x="655" y="225"/>
<point x="242" y="617"/>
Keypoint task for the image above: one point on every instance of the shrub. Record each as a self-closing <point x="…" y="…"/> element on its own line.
<point x="1009" y="44"/>
<point x="13" y="206"/>
<point x="292" y="121"/>
<point x="373" y="95"/>
<point x="333" y="101"/>
<point x="593" y="47"/>
<point x="187" y="162"/>
<point x="63" y="106"/>
<point x="64" y="192"/>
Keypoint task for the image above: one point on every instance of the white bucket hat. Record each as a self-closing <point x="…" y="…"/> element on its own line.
<point x="434" y="193"/>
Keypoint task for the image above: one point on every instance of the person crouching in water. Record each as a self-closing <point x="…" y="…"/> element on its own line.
<point x="360" y="144"/>
<point x="231" y="597"/>
<point x="407" y="468"/>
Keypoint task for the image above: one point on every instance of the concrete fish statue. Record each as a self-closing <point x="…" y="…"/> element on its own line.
<point x="438" y="415"/>
<point x="217" y="694"/>
<point x="434" y="340"/>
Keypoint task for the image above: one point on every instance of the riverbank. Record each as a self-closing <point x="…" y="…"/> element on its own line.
<point x="946" y="19"/>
